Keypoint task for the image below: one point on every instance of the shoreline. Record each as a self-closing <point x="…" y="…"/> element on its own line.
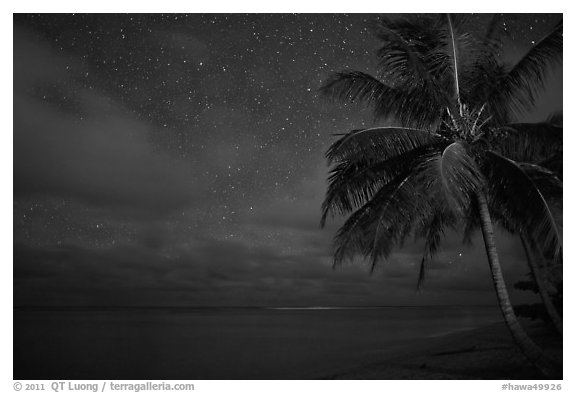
<point x="488" y="352"/>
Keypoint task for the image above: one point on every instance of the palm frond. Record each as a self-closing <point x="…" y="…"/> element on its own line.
<point x="399" y="59"/>
<point x="407" y="45"/>
<point x="479" y="84"/>
<point x="353" y="237"/>
<point x="471" y="223"/>
<point x="515" y="195"/>
<point x="353" y="183"/>
<point x="435" y="226"/>
<point x="554" y="164"/>
<point x="521" y="85"/>
<point x="379" y="143"/>
<point x="400" y="202"/>
<point x="458" y="180"/>
<point x="409" y="106"/>
<point x="384" y="221"/>
<point x="411" y="209"/>
<point x="483" y="70"/>
<point x="461" y="178"/>
<point x="353" y="86"/>
<point x="547" y="182"/>
<point x="527" y="142"/>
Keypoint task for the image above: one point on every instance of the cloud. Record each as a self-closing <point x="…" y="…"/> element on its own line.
<point x="105" y="162"/>
<point x="102" y="156"/>
<point x="226" y="273"/>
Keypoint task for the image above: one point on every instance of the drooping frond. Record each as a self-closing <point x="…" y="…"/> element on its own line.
<point x="458" y="180"/>
<point x="354" y="237"/>
<point x="460" y="176"/>
<point x="393" y="219"/>
<point x="355" y="86"/>
<point x="514" y="194"/>
<point x="527" y="142"/>
<point x="410" y="107"/>
<point x="382" y="223"/>
<point x="554" y="164"/>
<point x="439" y="185"/>
<point x="433" y="229"/>
<point x="471" y="223"/>
<point x="547" y="182"/>
<point x="422" y="208"/>
<point x="379" y="143"/>
<point x="519" y="88"/>
<point x="352" y="183"/>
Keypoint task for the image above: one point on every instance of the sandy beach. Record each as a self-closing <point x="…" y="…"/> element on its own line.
<point x="484" y="353"/>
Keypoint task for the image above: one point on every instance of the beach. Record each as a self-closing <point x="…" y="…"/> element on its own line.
<point x="484" y="353"/>
<point x="252" y="344"/>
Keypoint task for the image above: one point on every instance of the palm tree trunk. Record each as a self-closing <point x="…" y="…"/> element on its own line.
<point x="542" y="289"/>
<point x="549" y="367"/>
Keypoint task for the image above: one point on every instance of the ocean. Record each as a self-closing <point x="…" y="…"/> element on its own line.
<point x="223" y="343"/>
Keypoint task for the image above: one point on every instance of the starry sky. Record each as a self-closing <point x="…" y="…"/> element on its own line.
<point x="177" y="160"/>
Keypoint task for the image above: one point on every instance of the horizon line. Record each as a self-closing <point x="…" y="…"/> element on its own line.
<point x="289" y="307"/>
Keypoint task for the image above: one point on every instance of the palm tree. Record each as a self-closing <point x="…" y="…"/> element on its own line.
<point x="451" y="155"/>
<point x="540" y="281"/>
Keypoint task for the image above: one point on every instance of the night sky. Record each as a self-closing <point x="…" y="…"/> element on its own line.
<point x="178" y="160"/>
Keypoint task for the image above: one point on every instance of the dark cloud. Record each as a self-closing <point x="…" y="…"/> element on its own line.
<point x="211" y="272"/>
<point x="104" y="158"/>
<point x="100" y="162"/>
